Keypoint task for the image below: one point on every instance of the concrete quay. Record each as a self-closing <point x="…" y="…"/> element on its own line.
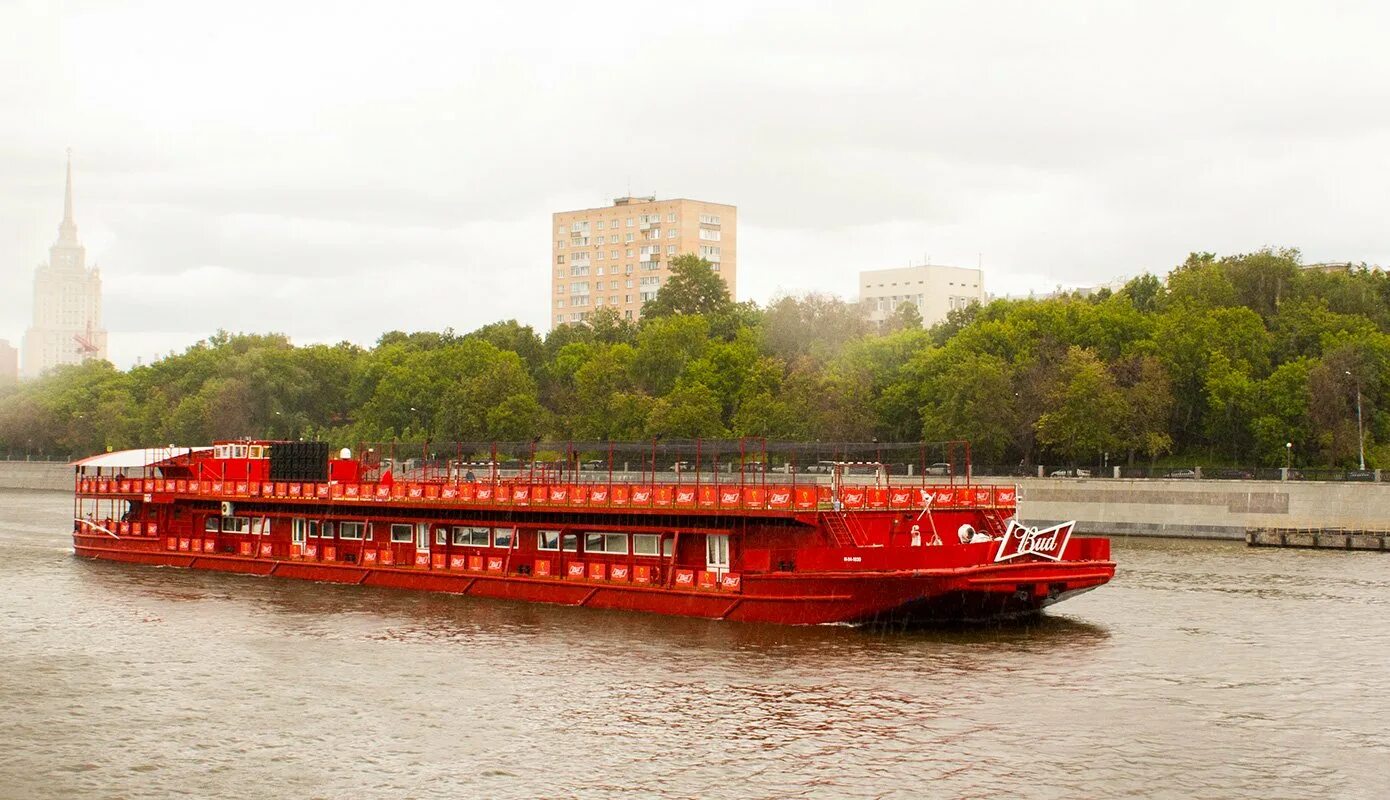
<point x="1206" y="509"/>
<point x="1322" y="539"/>
<point x="55" y="476"/>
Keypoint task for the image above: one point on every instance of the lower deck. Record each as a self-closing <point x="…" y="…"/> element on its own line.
<point x="901" y="597"/>
<point x="822" y="566"/>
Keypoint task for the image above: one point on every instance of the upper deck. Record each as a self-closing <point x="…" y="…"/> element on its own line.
<point x="714" y="480"/>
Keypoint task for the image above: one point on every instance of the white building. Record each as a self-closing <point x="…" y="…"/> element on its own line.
<point x="935" y="290"/>
<point x="67" y="303"/>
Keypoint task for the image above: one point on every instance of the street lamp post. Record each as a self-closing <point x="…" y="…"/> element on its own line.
<point x="1288" y="456"/>
<point x="1360" y="432"/>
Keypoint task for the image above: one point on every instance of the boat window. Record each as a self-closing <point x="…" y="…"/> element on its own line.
<point x="258" y="526"/>
<point x="502" y="537"/>
<point x="400" y="533"/>
<point x="313" y="529"/>
<point x="328" y="530"/>
<point x="668" y="546"/>
<point x="351" y="530"/>
<point x="547" y="540"/>
<point x="257" y="451"/>
<point x="369" y="531"/>
<point x="472" y="537"/>
<point x="238" y="451"/>
<point x="235" y="524"/>
<point x="212" y="525"/>
<point x="570" y="543"/>
<point x="441" y="535"/>
<point x="605" y="543"/>
<point x="645" y="544"/>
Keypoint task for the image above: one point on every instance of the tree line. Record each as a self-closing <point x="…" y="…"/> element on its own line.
<point x="1227" y="360"/>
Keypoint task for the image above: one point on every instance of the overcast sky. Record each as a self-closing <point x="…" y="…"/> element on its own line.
<point x="334" y="173"/>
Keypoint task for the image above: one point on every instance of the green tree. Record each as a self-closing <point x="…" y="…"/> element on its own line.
<point x="1086" y="409"/>
<point x="1144" y="292"/>
<point x="690" y="411"/>
<point x="665" y="346"/>
<point x="972" y="398"/>
<point x="906" y="317"/>
<point x="1148" y="401"/>
<point x="692" y="288"/>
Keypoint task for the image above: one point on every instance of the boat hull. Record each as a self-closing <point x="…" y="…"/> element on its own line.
<point x="901" y="598"/>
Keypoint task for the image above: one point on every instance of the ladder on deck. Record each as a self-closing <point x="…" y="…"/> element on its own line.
<point x="841" y="530"/>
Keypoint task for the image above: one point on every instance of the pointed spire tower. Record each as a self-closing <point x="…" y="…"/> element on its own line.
<point x="67" y="302"/>
<point x="67" y="229"/>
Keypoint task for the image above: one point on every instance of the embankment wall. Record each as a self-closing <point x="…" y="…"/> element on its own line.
<point x="1202" y="509"/>
<point x="44" y="475"/>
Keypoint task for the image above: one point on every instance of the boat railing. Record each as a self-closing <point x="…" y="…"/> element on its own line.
<point x="749" y="460"/>
<point x="741" y="496"/>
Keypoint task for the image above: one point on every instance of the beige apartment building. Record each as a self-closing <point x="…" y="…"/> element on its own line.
<point x="935" y="290"/>
<point x="619" y="256"/>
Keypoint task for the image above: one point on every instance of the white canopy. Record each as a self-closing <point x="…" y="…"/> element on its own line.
<point x="132" y="459"/>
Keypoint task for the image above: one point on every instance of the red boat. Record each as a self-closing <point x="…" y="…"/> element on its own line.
<point x="738" y="534"/>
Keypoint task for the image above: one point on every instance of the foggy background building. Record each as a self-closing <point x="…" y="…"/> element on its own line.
<point x="935" y="290"/>
<point x="9" y="362"/>
<point x="67" y="302"/>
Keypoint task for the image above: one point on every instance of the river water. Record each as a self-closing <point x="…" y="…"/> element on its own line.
<point x="1205" y="670"/>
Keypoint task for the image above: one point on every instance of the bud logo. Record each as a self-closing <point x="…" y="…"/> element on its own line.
<point x="781" y="497"/>
<point x="559" y="495"/>
<point x="1006" y="497"/>
<point x="854" y="498"/>
<point x="599" y="495"/>
<point x="641" y="495"/>
<point x="1021" y="540"/>
<point x="685" y="496"/>
<point x="728" y="497"/>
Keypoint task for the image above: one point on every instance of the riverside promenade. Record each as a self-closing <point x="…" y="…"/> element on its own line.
<point x="1205" y="509"/>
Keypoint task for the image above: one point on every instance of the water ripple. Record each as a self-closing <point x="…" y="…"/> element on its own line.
<point x="1205" y="670"/>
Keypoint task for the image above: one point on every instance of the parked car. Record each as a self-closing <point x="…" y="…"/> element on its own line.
<point x="752" y="466"/>
<point x="1071" y="473"/>
<point x="682" y="466"/>
<point x="1181" y="473"/>
<point x="820" y="468"/>
<point x="594" y="465"/>
<point x="939" y="468"/>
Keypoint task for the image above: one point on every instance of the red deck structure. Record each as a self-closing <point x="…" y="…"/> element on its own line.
<point x="759" y="540"/>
